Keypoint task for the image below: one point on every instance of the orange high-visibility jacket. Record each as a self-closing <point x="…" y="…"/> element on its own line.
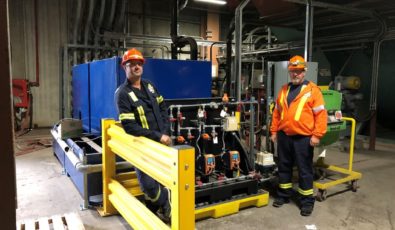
<point x="306" y="116"/>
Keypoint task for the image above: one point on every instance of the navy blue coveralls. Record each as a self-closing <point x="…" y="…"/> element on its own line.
<point x="144" y="113"/>
<point x="297" y="150"/>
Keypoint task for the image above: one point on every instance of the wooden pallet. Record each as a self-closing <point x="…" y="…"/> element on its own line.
<point x="69" y="221"/>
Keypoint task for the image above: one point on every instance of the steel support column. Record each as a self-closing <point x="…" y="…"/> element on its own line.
<point x="7" y="160"/>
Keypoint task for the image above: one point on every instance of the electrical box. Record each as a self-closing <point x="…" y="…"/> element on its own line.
<point x="230" y="124"/>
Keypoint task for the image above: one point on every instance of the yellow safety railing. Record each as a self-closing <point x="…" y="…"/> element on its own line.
<point x="352" y="141"/>
<point x="173" y="167"/>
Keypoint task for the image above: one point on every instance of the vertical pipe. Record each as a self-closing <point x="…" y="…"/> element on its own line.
<point x="87" y="27"/>
<point x="373" y="94"/>
<point x="252" y="133"/>
<point x="308" y="32"/>
<point x="85" y="202"/>
<point x="76" y="27"/>
<point x="64" y="77"/>
<point x="99" y="23"/>
<point x="229" y="58"/>
<point x="269" y="100"/>
<point x="238" y="35"/>
<point x="372" y="131"/>
<point x="37" y="82"/>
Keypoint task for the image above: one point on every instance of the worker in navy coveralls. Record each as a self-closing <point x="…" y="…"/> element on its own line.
<point x="143" y="112"/>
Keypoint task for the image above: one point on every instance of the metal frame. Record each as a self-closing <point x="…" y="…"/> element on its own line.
<point x="174" y="168"/>
<point x="350" y="175"/>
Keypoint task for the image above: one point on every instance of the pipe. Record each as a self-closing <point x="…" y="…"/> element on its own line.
<point x="228" y="77"/>
<point x="121" y="16"/>
<point x="37" y="82"/>
<point x="99" y="24"/>
<point x="87" y="25"/>
<point x="211" y="48"/>
<point x="252" y="133"/>
<point x="112" y="13"/>
<point x="238" y="35"/>
<point x="180" y="41"/>
<point x="76" y="27"/>
<point x="308" y="44"/>
<point x="348" y="10"/>
<point x="77" y="163"/>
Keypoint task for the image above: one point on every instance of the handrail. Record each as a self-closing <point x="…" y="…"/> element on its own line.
<point x="352" y="141"/>
<point x="173" y="167"/>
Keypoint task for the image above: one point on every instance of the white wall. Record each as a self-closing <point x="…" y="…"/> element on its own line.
<point x="52" y="27"/>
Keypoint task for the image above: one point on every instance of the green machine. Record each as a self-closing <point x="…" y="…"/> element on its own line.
<point x="333" y="101"/>
<point x="336" y="124"/>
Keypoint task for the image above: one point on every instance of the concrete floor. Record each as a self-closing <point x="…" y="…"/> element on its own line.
<point x="43" y="192"/>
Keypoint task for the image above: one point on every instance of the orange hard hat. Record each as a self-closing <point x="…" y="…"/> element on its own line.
<point x="132" y="54"/>
<point x="297" y="63"/>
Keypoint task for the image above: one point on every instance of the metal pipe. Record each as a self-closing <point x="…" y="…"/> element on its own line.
<point x="76" y="27"/>
<point x="112" y="13"/>
<point x="238" y="35"/>
<point x="343" y="48"/>
<point x="77" y="163"/>
<point x="229" y="75"/>
<point x="348" y="10"/>
<point x="211" y="48"/>
<point x="37" y="82"/>
<point x="212" y="104"/>
<point x="87" y="25"/>
<point x="308" y="46"/>
<point x="333" y="26"/>
<point x="99" y="23"/>
<point x="269" y="99"/>
<point x="334" y="7"/>
<point x="64" y="77"/>
<point x="252" y="133"/>
<point x="120" y="16"/>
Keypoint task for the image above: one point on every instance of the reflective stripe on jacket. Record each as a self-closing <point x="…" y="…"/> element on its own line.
<point x="142" y="117"/>
<point x="305" y="116"/>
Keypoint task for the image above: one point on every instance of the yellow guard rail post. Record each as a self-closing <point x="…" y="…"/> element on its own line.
<point x="173" y="167"/>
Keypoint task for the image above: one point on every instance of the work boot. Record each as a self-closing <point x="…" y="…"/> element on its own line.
<point x="306" y="209"/>
<point x="165" y="211"/>
<point x="151" y="206"/>
<point x="279" y="201"/>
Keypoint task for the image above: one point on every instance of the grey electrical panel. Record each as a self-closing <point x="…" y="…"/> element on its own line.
<point x="281" y="76"/>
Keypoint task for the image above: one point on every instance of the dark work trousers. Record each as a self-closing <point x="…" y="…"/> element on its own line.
<point x="295" y="150"/>
<point x="152" y="189"/>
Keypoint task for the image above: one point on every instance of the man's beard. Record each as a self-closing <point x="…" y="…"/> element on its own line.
<point x="296" y="81"/>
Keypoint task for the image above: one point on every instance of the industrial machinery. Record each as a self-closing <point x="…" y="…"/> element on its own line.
<point x="224" y="162"/>
<point x="22" y="104"/>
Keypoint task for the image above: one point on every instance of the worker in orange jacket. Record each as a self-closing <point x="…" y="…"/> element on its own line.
<point x="299" y="122"/>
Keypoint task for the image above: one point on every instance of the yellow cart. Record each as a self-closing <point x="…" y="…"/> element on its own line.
<point x="347" y="175"/>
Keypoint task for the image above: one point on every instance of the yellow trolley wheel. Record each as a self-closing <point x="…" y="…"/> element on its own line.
<point x="321" y="195"/>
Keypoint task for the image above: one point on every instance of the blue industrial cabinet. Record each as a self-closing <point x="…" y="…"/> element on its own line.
<point x="94" y="85"/>
<point x="80" y="95"/>
<point x="179" y="79"/>
<point x="105" y="77"/>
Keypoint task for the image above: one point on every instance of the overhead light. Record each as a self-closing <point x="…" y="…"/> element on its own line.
<point x="218" y="2"/>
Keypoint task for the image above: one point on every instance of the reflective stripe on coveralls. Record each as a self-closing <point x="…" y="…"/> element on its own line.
<point x="140" y="110"/>
<point x="126" y="116"/>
